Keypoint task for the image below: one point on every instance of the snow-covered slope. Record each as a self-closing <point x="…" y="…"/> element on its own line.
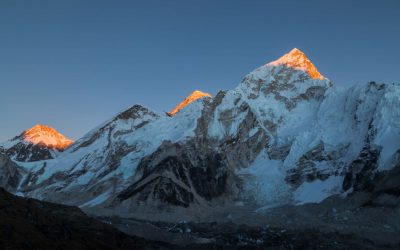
<point x="285" y="134"/>
<point x="105" y="160"/>
<point x="37" y="143"/>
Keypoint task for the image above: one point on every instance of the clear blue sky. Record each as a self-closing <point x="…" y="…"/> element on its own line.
<point x="73" y="64"/>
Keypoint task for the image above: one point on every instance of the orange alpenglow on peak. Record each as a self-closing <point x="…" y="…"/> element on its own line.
<point x="47" y="136"/>
<point x="191" y="98"/>
<point x="298" y="60"/>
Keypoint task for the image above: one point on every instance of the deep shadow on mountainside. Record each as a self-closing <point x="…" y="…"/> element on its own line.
<point x="368" y="218"/>
<point x="33" y="224"/>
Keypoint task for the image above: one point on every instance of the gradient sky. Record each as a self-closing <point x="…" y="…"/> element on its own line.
<point x="74" y="64"/>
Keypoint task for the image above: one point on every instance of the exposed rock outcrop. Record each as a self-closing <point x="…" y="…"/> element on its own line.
<point x="10" y="173"/>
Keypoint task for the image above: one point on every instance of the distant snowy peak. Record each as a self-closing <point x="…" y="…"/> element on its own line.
<point x="189" y="99"/>
<point x="298" y="60"/>
<point x="37" y="143"/>
<point x="46" y="136"/>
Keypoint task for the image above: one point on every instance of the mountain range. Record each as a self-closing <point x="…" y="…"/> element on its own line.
<point x="284" y="136"/>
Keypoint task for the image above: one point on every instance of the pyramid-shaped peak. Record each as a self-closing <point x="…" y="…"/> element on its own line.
<point x="298" y="60"/>
<point x="45" y="135"/>
<point x="197" y="94"/>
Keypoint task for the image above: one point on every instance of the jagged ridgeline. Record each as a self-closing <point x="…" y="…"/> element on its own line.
<point x="284" y="135"/>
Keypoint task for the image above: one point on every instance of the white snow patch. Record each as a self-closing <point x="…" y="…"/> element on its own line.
<point x="317" y="191"/>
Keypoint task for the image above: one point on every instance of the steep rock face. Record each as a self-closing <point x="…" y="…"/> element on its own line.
<point x="10" y="173"/>
<point x="174" y="174"/>
<point x="283" y="132"/>
<point x="384" y="188"/>
<point x="37" y="143"/>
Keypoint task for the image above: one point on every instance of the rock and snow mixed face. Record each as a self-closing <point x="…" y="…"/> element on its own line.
<point x="37" y="143"/>
<point x="283" y="132"/>
<point x="104" y="161"/>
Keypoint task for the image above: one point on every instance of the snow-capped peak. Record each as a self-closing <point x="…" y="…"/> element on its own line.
<point x="192" y="97"/>
<point x="298" y="60"/>
<point x="47" y="136"/>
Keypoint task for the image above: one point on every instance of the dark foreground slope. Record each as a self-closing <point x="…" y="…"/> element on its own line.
<point x="33" y="224"/>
